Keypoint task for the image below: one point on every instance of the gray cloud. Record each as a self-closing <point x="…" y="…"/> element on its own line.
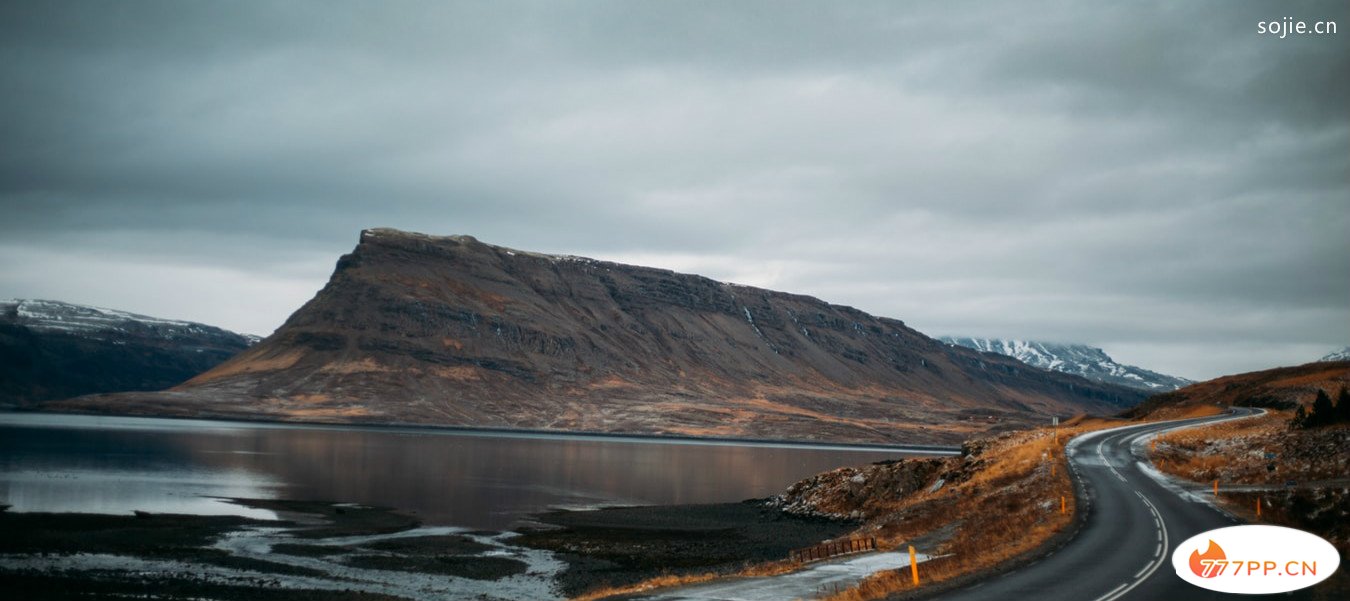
<point x="1153" y="178"/>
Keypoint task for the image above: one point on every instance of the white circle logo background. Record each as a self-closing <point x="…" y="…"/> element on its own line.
<point x="1245" y="556"/>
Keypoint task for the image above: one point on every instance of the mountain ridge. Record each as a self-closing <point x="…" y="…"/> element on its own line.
<point x="449" y="330"/>
<point x="1079" y="359"/>
<point x="1341" y="355"/>
<point x="1277" y="387"/>
<point x="53" y="349"/>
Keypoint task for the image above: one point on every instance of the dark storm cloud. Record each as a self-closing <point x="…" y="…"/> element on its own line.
<point x="1156" y="178"/>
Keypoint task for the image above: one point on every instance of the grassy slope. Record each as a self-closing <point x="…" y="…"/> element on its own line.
<point x="997" y="505"/>
<point x="1316" y="461"/>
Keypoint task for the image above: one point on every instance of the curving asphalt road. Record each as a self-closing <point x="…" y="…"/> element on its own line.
<point x="1134" y="521"/>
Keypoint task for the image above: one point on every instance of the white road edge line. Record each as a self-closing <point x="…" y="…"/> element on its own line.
<point x="1153" y="566"/>
<point x="1108" y="596"/>
<point x="1159" y="555"/>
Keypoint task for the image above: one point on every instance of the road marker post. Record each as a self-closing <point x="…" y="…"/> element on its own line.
<point x="913" y="565"/>
<point x="1063" y="504"/>
<point x="1216" y="488"/>
<point x="1258" y="508"/>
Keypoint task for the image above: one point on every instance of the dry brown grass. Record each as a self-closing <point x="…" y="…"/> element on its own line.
<point x="770" y="568"/>
<point x="1009" y="506"/>
<point x="1236" y="452"/>
<point x="1230" y="451"/>
<point x="662" y="581"/>
<point x="459" y="373"/>
<point x="249" y="361"/>
<point x="1185" y="412"/>
<point x="363" y="366"/>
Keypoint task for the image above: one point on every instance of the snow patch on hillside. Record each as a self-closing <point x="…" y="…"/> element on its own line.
<point x="1341" y="355"/>
<point x="1077" y="359"/>
<point x="84" y="320"/>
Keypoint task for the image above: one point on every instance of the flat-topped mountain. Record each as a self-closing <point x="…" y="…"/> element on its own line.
<point x="449" y="330"/>
<point x="55" y="350"/>
<point x="1077" y="359"/>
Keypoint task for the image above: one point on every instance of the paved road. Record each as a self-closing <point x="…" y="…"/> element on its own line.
<point x="1133" y="523"/>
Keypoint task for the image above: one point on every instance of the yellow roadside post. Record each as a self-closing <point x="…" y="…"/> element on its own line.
<point x="1063" y="504"/>
<point x="913" y="565"/>
<point x="1258" y="507"/>
<point x="1216" y="488"/>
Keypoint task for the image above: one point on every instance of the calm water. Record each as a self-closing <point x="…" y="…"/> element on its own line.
<point x="479" y="480"/>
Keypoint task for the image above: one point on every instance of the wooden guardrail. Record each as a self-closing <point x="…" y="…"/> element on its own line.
<point x="834" y="549"/>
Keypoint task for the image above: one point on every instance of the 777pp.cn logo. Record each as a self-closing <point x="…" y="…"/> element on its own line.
<point x="1255" y="559"/>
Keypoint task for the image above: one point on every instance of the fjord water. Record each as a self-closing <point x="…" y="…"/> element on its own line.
<point x="94" y="464"/>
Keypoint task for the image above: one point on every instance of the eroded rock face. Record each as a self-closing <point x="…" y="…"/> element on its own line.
<point x="449" y="330"/>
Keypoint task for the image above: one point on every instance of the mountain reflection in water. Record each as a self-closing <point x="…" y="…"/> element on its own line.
<point x="472" y="479"/>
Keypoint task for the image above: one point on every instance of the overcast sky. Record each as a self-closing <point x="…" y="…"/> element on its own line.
<point x="1160" y="180"/>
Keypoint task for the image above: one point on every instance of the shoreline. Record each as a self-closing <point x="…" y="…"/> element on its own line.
<point x="620" y="546"/>
<point x="651" y="438"/>
<point x="362" y="552"/>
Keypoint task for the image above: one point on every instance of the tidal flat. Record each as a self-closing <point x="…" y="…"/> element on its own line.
<point x="344" y="551"/>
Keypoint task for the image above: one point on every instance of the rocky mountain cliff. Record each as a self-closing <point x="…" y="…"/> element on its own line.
<point x="1077" y="359"/>
<point x="55" y="350"/>
<point x="449" y="330"/>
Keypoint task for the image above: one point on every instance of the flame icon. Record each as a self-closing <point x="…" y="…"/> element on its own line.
<point x="1212" y="554"/>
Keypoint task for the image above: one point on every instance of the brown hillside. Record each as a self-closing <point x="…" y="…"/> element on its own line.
<point x="449" y="330"/>
<point x="1281" y="388"/>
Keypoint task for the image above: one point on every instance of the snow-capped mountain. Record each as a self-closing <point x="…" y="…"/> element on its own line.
<point x="1341" y="355"/>
<point x="1078" y="359"/>
<point x="52" y="350"/>
<point x="99" y="323"/>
